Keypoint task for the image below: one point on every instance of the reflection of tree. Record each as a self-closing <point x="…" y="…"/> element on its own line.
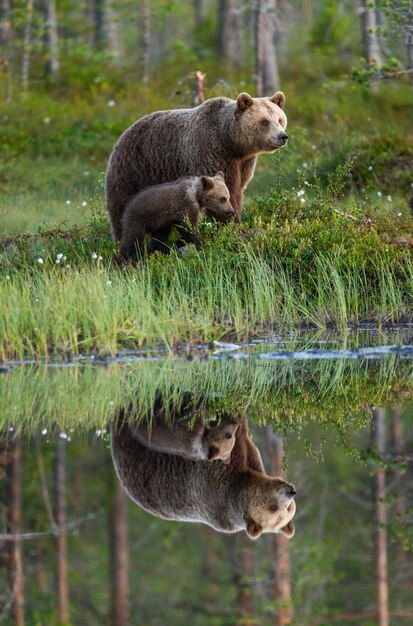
<point x="380" y="520"/>
<point x="12" y="457"/>
<point x="119" y="557"/>
<point x="280" y="563"/>
<point x="59" y="480"/>
<point x="244" y="575"/>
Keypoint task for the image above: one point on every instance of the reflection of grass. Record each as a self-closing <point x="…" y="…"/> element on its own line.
<point x="77" y="309"/>
<point x="334" y="393"/>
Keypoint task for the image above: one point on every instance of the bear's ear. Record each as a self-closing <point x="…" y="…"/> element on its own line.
<point x="289" y="530"/>
<point x="279" y="99"/>
<point x="253" y="529"/>
<point x="207" y="183"/>
<point x="213" y="453"/>
<point x="220" y="175"/>
<point x="244" y="101"/>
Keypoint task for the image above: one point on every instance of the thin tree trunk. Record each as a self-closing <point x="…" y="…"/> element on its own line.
<point x="112" y="32"/>
<point x="398" y="449"/>
<point x="62" y="585"/>
<point x="380" y="520"/>
<point x="99" y="24"/>
<point x="230" y="32"/>
<point x="119" y="558"/>
<point x="370" y="39"/>
<point x="27" y="45"/>
<point x="14" y="549"/>
<point x="198" y="12"/>
<point x="267" y="74"/>
<point x="409" y="39"/>
<point x="281" y="571"/>
<point x="6" y="39"/>
<point x="198" y="96"/>
<point x="53" y="64"/>
<point x="145" y="37"/>
<point x="244" y="574"/>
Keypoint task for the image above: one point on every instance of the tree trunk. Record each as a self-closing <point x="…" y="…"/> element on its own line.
<point x="267" y="74"/>
<point x="14" y="549"/>
<point x="198" y="12"/>
<point x="62" y="586"/>
<point x="119" y="558"/>
<point x="409" y="39"/>
<point x="27" y="45"/>
<point x="370" y="39"/>
<point x="398" y="450"/>
<point x="112" y="33"/>
<point x="281" y="572"/>
<point x="244" y="573"/>
<point x="145" y="39"/>
<point x="380" y="520"/>
<point x="6" y="39"/>
<point x="53" y="65"/>
<point x="230" y="32"/>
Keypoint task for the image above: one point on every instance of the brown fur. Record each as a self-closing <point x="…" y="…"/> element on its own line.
<point x="220" y="134"/>
<point x="245" y="453"/>
<point x="226" y="497"/>
<point x="201" y="441"/>
<point x="156" y="210"/>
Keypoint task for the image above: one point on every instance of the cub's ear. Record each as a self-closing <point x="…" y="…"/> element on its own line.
<point x="279" y="99"/>
<point x="253" y="529"/>
<point x="213" y="453"/>
<point x="220" y="175"/>
<point x="207" y="183"/>
<point x="289" y="530"/>
<point x="244" y="101"/>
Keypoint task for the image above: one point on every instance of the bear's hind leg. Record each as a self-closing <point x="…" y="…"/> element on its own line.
<point x="158" y="240"/>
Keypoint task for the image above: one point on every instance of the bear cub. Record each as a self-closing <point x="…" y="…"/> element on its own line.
<point x="204" y="441"/>
<point x="157" y="209"/>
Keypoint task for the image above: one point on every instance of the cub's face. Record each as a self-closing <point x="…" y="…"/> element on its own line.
<point x="220" y="440"/>
<point x="271" y="509"/>
<point x="215" y="198"/>
<point x="261" y="123"/>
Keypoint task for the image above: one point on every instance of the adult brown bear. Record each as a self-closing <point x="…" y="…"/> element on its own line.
<point x="220" y="134"/>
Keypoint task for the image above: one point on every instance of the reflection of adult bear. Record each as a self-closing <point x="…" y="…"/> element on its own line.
<point x="220" y="134"/>
<point x="227" y="497"/>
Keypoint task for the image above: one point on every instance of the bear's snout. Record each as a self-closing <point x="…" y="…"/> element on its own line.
<point x="282" y="138"/>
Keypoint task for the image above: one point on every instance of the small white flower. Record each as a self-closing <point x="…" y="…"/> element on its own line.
<point x="59" y="256"/>
<point x="7" y="277"/>
<point x="44" y="431"/>
<point x="64" y="257"/>
<point x="63" y="436"/>
<point x="399" y="214"/>
<point x="387" y="249"/>
<point x="57" y="261"/>
<point x="111" y="103"/>
<point x="305" y="165"/>
<point x="11" y="429"/>
<point x="84" y="203"/>
<point x="40" y="260"/>
<point x="86" y="173"/>
<point x="97" y="79"/>
<point x="108" y="283"/>
<point x="67" y="201"/>
<point x="314" y="147"/>
<point x="94" y="255"/>
<point x="306" y="183"/>
<point x="301" y="192"/>
<point x="389" y="198"/>
<point x="98" y="433"/>
<point x="100" y="258"/>
<point x="46" y="120"/>
<point x="69" y="438"/>
<point x="379" y="194"/>
<point x="370" y="168"/>
<point x="302" y="200"/>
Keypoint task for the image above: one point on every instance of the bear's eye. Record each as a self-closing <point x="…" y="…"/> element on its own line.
<point x="265" y="123"/>
<point x="273" y="508"/>
<point x="222" y="200"/>
<point x="228" y="435"/>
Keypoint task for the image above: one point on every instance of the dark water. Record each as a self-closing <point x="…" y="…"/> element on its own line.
<point x="332" y="417"/>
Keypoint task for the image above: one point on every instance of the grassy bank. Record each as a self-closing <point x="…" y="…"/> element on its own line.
<point x="282" y="274"/>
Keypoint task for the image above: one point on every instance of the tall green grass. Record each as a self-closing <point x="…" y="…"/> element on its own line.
<point x="203" y="296"/>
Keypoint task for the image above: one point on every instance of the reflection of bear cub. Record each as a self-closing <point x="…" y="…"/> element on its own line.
<point x="229" y="498"/>
<point x="220" y="134"/>
<point x="201" y="441"/>
<point x="156" y="210"/>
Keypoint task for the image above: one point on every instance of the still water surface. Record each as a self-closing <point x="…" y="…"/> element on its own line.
<point x="331" y="417"/>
